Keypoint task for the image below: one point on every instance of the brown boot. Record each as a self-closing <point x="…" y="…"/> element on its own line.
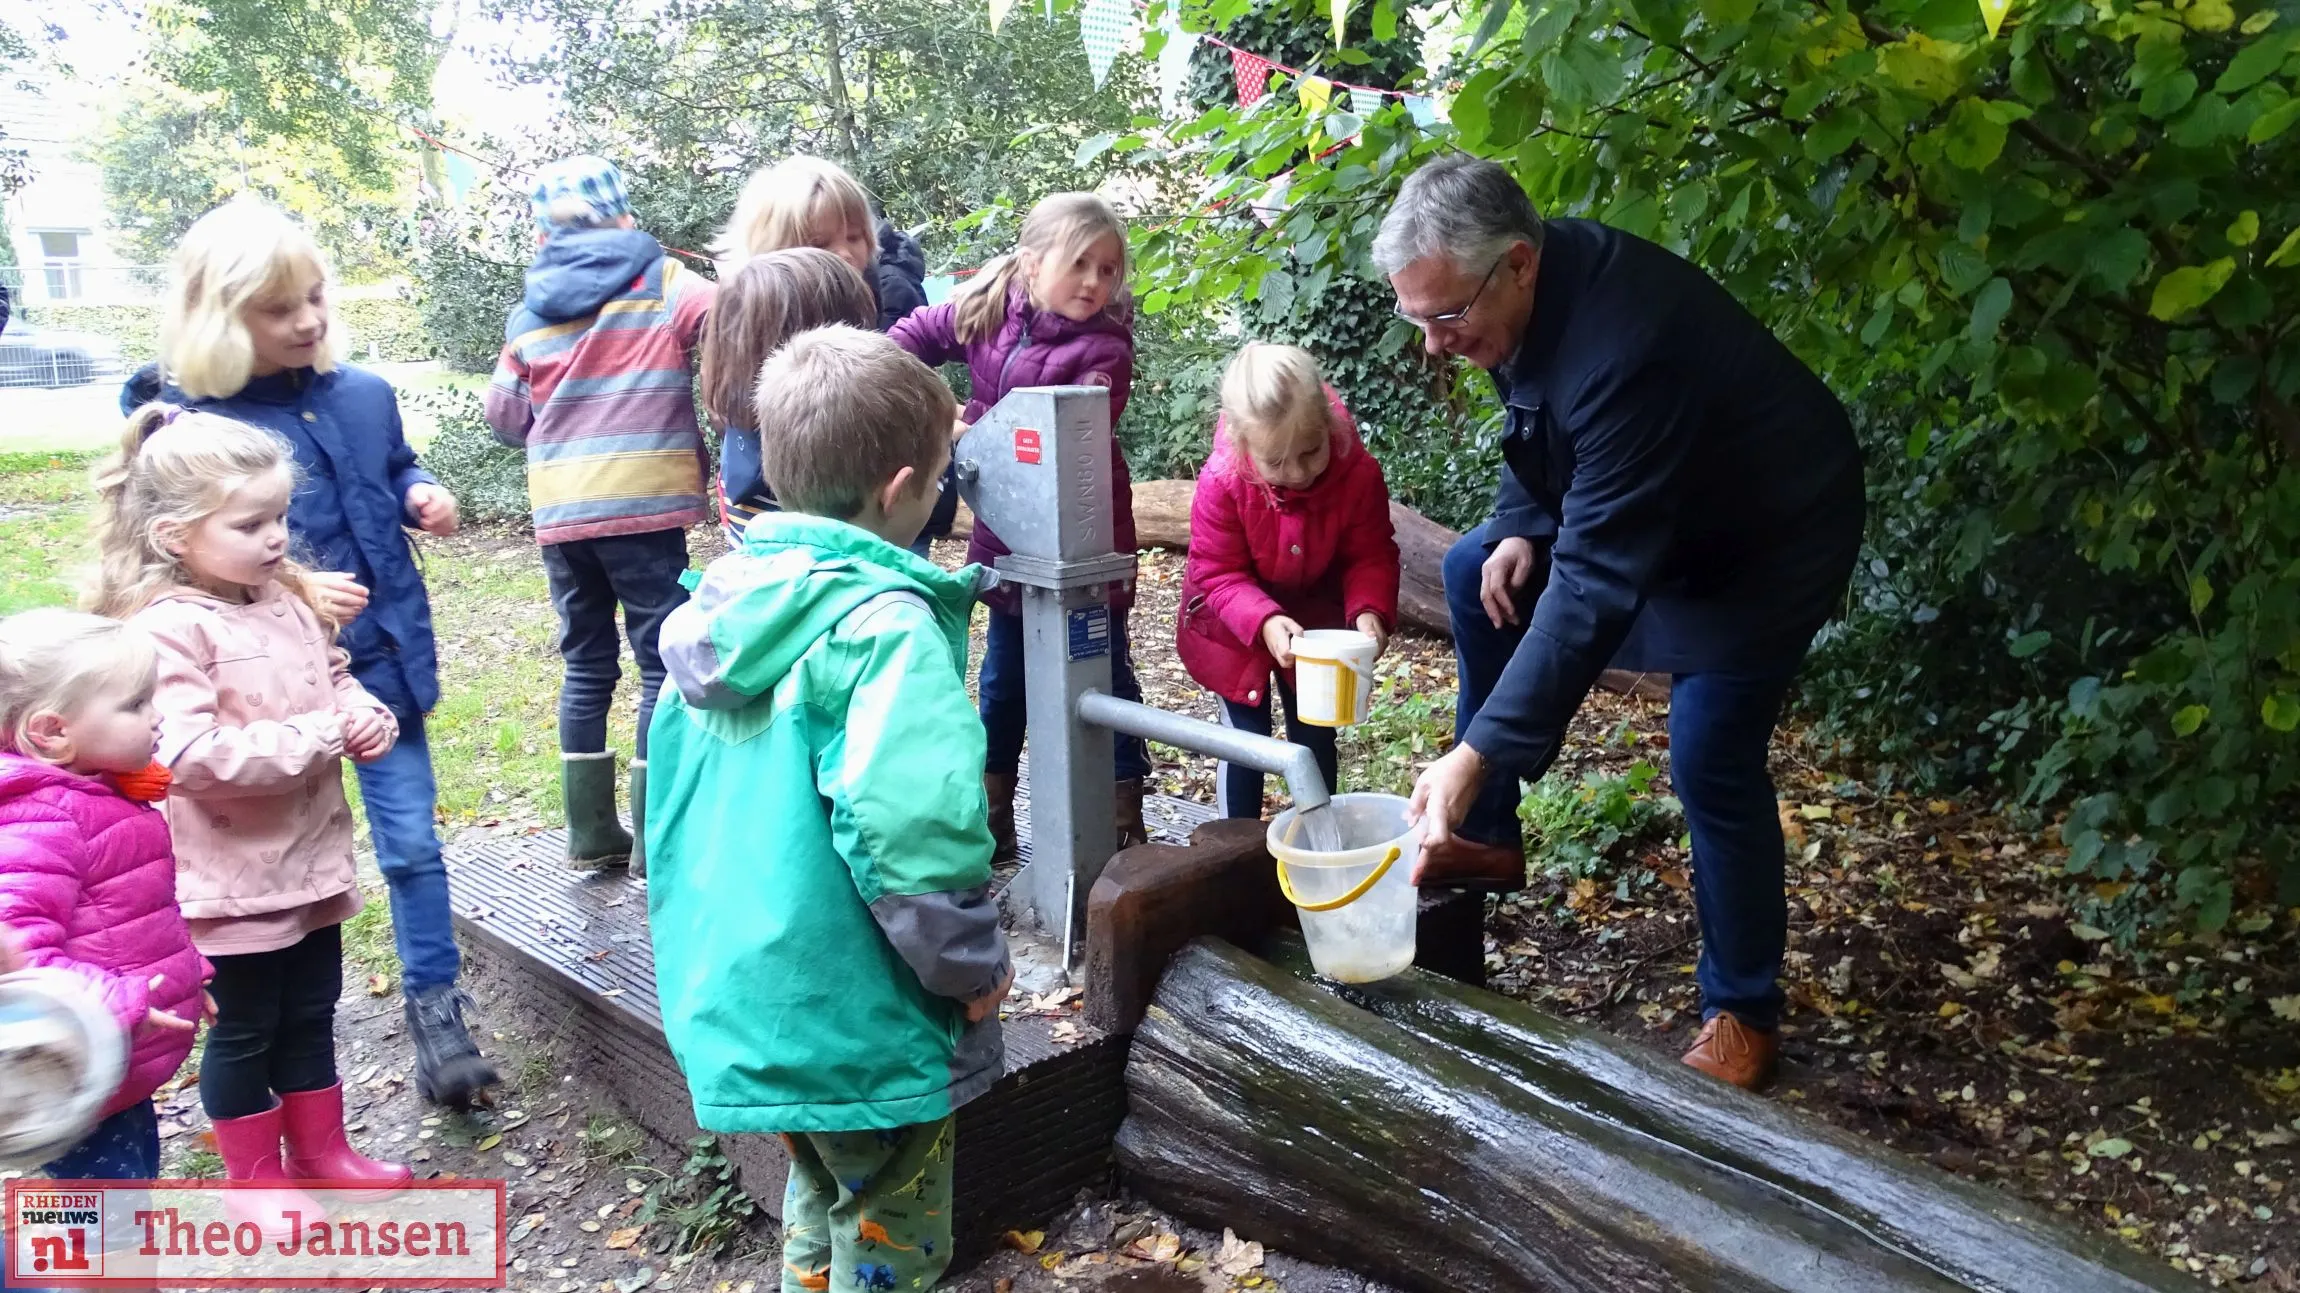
<point x="1462" y="863"/>
<point x="998" y="788"/>
<point x="1735" y="1052"/>
<point x="1131" y="831"/>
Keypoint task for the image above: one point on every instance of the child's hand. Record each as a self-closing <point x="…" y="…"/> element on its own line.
<point x="335" y="594"/>
<point x="984" y="1006"/>
<point x="1278" y="634"/>
<point x="433" y="509"/>
<point x="161" y="1019"/>
<point x="1370" y="624"/>
<point x="959" y="427"/>
<point x="207" y="1007"/>
<point x="367" y="735"/>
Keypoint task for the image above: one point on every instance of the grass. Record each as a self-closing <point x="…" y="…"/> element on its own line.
<point x="43" y="532"/>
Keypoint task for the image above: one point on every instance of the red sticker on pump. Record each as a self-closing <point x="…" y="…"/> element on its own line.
<point x="1027" y="446"/>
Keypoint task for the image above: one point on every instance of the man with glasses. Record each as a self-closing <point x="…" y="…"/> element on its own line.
<point x="1695" y="495"/>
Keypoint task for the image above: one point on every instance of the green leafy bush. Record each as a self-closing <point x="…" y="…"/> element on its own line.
<point x="487" y="477"/>
<point x="1591" y="830"/>
<point x="384" y="328"/>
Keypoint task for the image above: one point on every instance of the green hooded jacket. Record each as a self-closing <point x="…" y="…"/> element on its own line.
<point x="818" y="849"/>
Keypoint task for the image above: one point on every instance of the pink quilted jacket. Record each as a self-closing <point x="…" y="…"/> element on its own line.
<point x="88" y="886"/>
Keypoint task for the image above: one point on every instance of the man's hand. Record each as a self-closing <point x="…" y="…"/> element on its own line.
<point x="367" y="735"/>
<point x="986" y="1005"/>
<point x="1278" y="634"/>
<point x="335" y="594"/>
<point x="1370" y="624"/>
<point x="1443" y="795"/>
<point x="1505" y="575"/>
<point x="433" y="508"/>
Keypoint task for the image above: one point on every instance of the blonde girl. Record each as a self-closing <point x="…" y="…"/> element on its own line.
<point x="771" y="299"/>
<point x="257" y="711"/>
<point x="1054" y="313"/>
<point x="250" y="332"/>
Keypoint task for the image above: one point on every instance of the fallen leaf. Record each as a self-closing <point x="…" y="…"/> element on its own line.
<point x="1026" y="1242"/>
<point x="1958" y="976"/>
<point x="1816" y="813"/>
<point x="488" y="1143"/>
<point x="1003" y="1286"/>
<point x="2087" y="932"/>
<point x="2286" y="1008"/>
<point x="1950" y="1010"/>
<point x="2113" y="1147"/>
<point x="1237" y="1256"/>
<point x="626" y="1237"/>
<point x="512" y="1158"/>
<point x="378" y="986"/>
<point x="636" y="1280"/>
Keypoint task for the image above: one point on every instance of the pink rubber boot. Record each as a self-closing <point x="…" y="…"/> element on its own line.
<point x="251" y="1150"/>
<point x="317" y="1150"/>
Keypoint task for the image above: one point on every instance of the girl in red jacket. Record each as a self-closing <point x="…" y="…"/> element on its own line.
<point x="1289" y="531"/>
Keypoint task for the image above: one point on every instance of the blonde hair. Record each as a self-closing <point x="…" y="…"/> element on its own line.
<point x="783" y="206"/>
<point x="174" y="468"/>
<point x="242" y="253"/>
<point x="54" y="661"/>
<point x="1272" y="390"/>
<point x="1059" y="229"/>
<point x="771" y="299"/>
<point x="841" y="410"/>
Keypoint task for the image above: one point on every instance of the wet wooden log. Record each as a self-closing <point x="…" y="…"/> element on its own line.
<point x="1263" y="1101"/>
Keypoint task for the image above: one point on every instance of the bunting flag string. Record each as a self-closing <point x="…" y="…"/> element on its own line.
<point x="1105" y="26"/>
<point x="998" y="11"/>
<point x="1993" y="13"/>
<point x="1365" y="103"/>
<point x="1174" y="66"/>
<point x="1315" y="92"/>
<point x="1251" y="72"/>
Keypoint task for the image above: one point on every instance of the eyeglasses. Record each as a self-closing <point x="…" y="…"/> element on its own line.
<point x="1452" y="317"/>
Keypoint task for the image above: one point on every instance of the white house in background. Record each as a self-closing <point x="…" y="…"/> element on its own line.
<point x="56" y="220"/>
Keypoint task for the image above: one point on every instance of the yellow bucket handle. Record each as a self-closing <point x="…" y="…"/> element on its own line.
<point x="1286" y="886"/>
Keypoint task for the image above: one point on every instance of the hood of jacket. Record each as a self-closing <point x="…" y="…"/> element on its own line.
<point x="758" y="610"/>
<point x="576" y="273"/>
<point x="899" y="251"/>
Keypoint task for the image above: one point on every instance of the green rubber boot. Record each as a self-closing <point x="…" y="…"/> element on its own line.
<point x="595" y="836"/>
<point x="639" y="818"/>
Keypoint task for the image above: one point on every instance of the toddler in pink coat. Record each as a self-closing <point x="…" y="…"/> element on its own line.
<point x="87" y="880"/>
<point x="258" y="710"/>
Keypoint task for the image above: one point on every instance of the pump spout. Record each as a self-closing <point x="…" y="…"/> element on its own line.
<point x="1304" y="784"/>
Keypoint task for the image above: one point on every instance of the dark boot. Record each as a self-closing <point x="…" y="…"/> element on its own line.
<point x="1131" y="831"/>
<point x="639" y="818"/>
<point x="595" y="836"/>
<point x="999" y="788"/>
<point x="449" y="1069"/>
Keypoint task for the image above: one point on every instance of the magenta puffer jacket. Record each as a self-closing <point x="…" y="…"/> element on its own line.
<point x="88" y="886"/>
<point x="1321" y="556"/>
<point x="1037" y="348"/>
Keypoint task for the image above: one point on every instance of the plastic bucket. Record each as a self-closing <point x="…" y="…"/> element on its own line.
<point x="1333" y="677"/>
<point x="1358" y="905"/>
<point x="58" y="1042"/>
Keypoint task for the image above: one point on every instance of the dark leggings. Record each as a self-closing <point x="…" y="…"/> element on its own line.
<point x="275" y="1025"/>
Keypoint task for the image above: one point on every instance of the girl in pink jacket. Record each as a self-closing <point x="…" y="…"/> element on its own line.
<point x="258" y="710"/>
<point x="87" y="880"/>
<point x="1289" y="531"/>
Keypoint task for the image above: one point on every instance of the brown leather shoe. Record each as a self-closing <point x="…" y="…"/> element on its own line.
<point x="1466" y="864"/>
<point x="1735" y="1052"/>
<point x="999" y="790"/>
<point x="1131" y="831"/>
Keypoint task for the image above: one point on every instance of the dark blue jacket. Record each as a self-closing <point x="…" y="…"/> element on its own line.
<point x="1702" y="486"/>
<point x="353" y="468"/>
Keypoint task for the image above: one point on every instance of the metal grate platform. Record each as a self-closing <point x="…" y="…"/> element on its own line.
<point x="571" y="950"/>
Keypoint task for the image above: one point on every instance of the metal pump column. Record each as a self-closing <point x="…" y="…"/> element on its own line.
<point x="1036" y="470"/>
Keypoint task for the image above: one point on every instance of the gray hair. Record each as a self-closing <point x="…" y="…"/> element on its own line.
<point x="1464" y="208"/>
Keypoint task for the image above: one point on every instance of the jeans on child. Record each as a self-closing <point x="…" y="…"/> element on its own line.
<point x="402" y="799"/>
<point x="589" y="577"/>
<point x="868" y="1210"/>
<point x="1238" y="789"/>
<point x="123" y="1147"/>
<point x="1005" y="712"/>
<point x="275" y="1025"/>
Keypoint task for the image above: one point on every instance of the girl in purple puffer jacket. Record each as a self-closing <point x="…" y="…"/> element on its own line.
<point x="87" y="875"/>
<point x="1055" y="313"/>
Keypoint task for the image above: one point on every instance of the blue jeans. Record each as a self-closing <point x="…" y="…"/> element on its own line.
<point x="589" y="577"/>
<point x="1238" y="792"/>
<point x="402" y="802"/>
<point x="123" y="1147"/>
<point x="1005" y="710"/>
<point x="1720" y="730"/>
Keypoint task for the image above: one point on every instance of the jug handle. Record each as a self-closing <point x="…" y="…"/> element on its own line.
<point x="1286" y="886"/>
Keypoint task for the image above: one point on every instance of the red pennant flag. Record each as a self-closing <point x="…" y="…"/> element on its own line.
<point x="1252" y="73"/>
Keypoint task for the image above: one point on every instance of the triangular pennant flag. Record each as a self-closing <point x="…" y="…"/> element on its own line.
<point x="998" y="11"/>
<point x="1104" y="24"/>
<point x="1341" y="13"/>
<point x="1423" y="108"/>
<point x="1316" y="92"/>
<point x="1993" y="13"/>
<point x="1272" y="205"/>
<point x="1365" y="103"/>
<point x="1252" y="73"/>
<point x="1174" y="66"/>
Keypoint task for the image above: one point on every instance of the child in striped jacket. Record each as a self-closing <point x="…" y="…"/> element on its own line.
<point x="596" y="384"/>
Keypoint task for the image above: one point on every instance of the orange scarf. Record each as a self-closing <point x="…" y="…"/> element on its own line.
<point x="149" y="786"/>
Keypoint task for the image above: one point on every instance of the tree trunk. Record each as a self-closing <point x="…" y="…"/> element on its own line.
<point x="835" y="83"/>
<point x="1263" y="1102"/>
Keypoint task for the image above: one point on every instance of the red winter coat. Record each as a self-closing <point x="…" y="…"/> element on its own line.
<point x="1322" y="556"/>
<point x="1036" y="347"/>
<point x="88" y="886"/>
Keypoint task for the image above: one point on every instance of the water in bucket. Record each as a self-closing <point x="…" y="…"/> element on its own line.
<point x="1356" y="898"/>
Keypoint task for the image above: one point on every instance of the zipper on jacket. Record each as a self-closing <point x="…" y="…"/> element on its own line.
<point x="1007" y="368"/>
